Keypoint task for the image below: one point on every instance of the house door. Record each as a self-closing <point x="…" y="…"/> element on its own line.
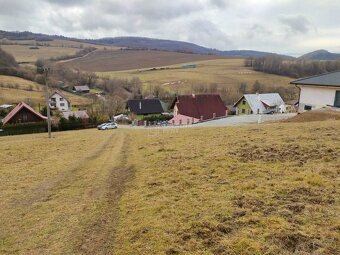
<point x="337" y="99"/>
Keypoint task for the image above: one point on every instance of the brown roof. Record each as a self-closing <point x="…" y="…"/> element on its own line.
<point x="60" y="94"/>
<point x="16" y="109"/>
<point x="203" y="105"/>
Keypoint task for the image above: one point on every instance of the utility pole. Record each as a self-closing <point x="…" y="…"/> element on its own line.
<point x="46" y="70"/>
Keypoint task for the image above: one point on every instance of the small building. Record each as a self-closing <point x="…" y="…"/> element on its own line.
<point x="59" y="101"/>
<point x="319" y="91"/>
<point x="23" y="113"/>
<point x="259" y="104"/>
<point x="81" y="89"/>
<point x="189" y="109"/>
<point x="144" y="107"/>
<point x="77" y="114"/>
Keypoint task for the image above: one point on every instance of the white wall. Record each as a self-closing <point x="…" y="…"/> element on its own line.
<point x="316" y="97"/>
<point x="59" y="100"/>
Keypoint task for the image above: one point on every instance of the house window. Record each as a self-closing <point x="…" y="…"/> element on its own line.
<point x="308" y="107"/>
<point x="243" y="110"/>
<point x="53" y="99"/>
<point x="244" y="102"/>
<point x="61" y="99"/>
<point x="62" y="104"/>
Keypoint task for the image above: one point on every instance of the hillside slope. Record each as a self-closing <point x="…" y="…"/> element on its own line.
<point x="14" y="90"/>
<point x="320" y="55"/>
<point x="260" y="189"/>
<point x="119" y="60"/>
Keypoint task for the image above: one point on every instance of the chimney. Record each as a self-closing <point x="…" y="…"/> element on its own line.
<point x="193" y="95"/>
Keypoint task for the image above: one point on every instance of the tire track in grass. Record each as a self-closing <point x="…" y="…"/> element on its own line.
<point x="99" y="236"/>
<point x="44" y="190"/>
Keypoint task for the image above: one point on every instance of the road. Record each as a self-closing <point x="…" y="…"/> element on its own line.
<point x="245" y="120"/>
<point x="231" y="121"/>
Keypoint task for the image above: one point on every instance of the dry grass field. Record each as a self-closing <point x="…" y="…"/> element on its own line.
<point x="14" y="90"/>
<point x="118" y="60"/>
<point x="22" y="52"/>
<point x="260" y="189"/>
<point x="226" y="72"/>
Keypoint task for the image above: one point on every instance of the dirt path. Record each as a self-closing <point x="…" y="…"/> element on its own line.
<point x="75" y="211"/>
<point x="99" y="236"/>
<point x="71" y="59"/>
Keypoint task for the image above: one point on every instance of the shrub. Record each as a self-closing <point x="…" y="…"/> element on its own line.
<point x="24" y="128"/>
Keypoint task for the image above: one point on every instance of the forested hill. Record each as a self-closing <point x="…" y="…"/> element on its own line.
<point x="140" y="43"/>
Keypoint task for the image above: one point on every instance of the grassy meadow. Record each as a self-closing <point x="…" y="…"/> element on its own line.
<point x="258" y="189"/>
<point x="14" y="89"/>
<point x="56" y="48"/>
<point x="226" y="72"/>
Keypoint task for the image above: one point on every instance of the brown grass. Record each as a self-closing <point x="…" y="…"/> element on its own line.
<point x="173" y="191"/>
<point x="227" y="73"/>
<point x="20" y="49"/>
<point x="108" y="60"/>
<point x="15" y="90"/>
<point x="317" y="115"/>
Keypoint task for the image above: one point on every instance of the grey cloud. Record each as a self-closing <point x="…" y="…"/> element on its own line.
<point x="297" y="24"/>
<point x="257" y="30"/>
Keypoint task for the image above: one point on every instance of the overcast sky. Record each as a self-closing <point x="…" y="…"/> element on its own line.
<point x="284" y="26"/>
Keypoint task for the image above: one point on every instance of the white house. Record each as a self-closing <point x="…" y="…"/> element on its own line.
<point x="59" y="101"/>
<point x="260" y="103"/>
<point x="319" y="91"/>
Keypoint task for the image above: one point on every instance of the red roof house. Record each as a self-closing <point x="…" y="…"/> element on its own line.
<point x="23" y="113"/>
<point x="197" y="107"/>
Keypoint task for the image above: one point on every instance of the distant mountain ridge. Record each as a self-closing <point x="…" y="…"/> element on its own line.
<point x="140" y="43"/>
<point x="178" y="46"/>
<point x="320" y="55"/>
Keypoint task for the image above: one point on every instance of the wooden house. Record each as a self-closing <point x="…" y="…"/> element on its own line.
<point x="23" y="113"/>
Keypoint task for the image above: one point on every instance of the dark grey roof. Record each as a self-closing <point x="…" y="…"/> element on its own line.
<point x="327" y="79"/>
<point x="81" y="88"/>
<point x="145" y="106"/>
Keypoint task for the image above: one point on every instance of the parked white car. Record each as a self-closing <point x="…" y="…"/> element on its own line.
<point x="108" y="126"/>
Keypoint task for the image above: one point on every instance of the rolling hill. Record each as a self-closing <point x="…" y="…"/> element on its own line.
<point x="119" y="60"/>
<point x="259" y="189"/>
<point x="320" y="55"/>
<point x="138" y="43"/>
<point x="14" y="89"/>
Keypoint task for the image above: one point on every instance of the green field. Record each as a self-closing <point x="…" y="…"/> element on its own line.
<point x="225" y="72"/>
<point x="261" y="189"/>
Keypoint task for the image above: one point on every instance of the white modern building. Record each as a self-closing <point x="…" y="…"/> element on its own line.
<point x="59" y="101"/>
<point x="319" y="91"/>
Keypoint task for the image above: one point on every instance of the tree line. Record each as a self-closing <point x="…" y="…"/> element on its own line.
<point x="298" y="68"/>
